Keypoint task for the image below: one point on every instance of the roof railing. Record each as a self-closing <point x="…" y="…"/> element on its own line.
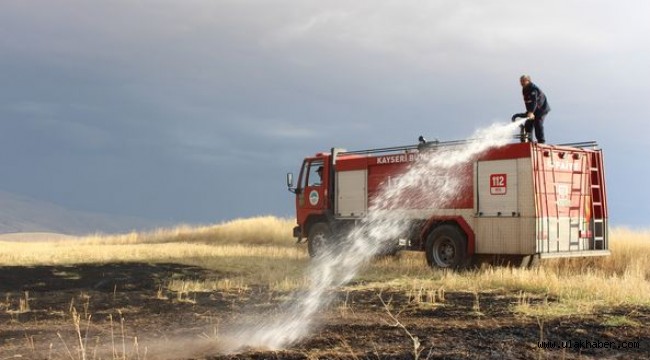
<point x="422" y="145"/>
<point x="581" y="144"/>
<point x="436" y="143"/>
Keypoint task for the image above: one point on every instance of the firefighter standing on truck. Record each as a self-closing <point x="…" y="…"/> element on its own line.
<point x="536" y="109"/>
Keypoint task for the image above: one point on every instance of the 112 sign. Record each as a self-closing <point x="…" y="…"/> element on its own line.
<point x="498" y="184"/>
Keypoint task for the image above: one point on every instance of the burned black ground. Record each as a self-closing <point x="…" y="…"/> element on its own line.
<point x="124" y="310"/>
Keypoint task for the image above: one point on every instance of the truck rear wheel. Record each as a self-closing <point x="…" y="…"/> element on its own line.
<point x="446" y="247"/>
<point x="319" y="237"/>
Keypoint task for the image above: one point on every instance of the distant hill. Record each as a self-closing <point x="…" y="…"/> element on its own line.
<point x="23" y="214"/>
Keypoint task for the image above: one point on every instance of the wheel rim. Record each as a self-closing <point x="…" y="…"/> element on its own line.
<point x="444" y="252"/>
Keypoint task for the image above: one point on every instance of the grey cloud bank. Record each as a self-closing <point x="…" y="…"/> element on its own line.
<point x="193" y="111"/>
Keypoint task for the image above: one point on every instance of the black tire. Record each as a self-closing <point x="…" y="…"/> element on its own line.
<point x="319" y="237"/>
<point x="446" y="247"/>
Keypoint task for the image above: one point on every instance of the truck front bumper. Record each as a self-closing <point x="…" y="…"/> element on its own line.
<point x="297" y="232"/>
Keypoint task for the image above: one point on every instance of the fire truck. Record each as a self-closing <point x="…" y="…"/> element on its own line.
<point x="521" y="201"/>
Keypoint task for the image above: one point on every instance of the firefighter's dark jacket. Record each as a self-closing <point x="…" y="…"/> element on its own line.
<point x="535" y="100"/>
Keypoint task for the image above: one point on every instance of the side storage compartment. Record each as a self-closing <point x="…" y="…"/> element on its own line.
<point x="505" y="207"/>
<point x="351" y="193"/>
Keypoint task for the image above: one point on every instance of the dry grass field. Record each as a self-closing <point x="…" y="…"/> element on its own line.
<point x="174" y="293"/>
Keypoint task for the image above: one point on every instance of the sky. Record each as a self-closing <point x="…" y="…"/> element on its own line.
<point x="194" y="111"/>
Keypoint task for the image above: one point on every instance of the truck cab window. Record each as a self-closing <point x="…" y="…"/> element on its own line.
<point x="315" y="174"/>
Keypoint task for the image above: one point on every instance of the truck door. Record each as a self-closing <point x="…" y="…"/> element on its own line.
<point x="313" y="194"/>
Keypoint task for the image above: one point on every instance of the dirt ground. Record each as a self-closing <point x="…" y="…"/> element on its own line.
<point x="123" y="311"/>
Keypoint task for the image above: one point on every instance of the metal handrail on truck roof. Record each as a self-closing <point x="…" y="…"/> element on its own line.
<point x="581" y="144"/>
<point x="436" y="143"/>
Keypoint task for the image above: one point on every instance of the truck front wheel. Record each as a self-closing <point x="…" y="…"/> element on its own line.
<point x="446" y="247"/>
<point x="319" y="237"/>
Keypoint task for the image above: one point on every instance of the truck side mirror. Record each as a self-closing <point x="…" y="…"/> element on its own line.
<point x="290" y="182"/>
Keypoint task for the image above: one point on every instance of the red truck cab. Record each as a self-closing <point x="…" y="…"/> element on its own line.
<point x="313" y="191"/>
